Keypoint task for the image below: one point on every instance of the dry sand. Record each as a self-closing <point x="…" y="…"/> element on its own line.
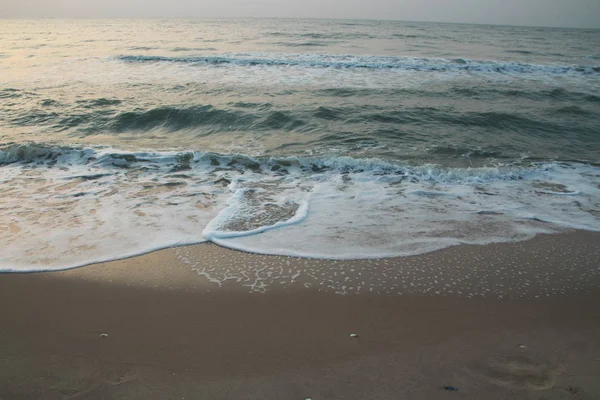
<point x="151" y="327"/>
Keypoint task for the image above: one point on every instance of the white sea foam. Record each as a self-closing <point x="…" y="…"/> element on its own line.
<point x="66" y="207"/>
<point x="317" y="60"/>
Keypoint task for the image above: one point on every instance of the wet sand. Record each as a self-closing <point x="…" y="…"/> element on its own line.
<point x="151" y="327"/>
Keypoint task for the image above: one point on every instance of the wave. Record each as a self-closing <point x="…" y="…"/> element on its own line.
<point x="184" y="49"/>
<point x="472" y="91"/>
<point x="525" y="52"/>
<point x="367" y="62"/>
<point x="101" y="116"/>
<point x="57" y="156"/>
<point x="99" y="102"/>
<point x="111" y="116"/>
<point x="83" y="205"/>
<point x="338" y="35"/>
<point x="143" y="48"/>
<point x="319" y="36"/>
<point x="9" y="93"/>
<point x="302" y="44"/>
<point x="174" y="118"/>
<point x="34" y="154"/>
<point x="488" y="119"/>
<point x="357" y="127"/>
<point x="406" y="36"/>
<point x="572" y="110"/>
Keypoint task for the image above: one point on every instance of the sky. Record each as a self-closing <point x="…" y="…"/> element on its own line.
<point x="559" y="13"/>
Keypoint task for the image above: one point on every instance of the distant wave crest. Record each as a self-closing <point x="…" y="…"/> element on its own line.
<point x="366" y="62"/>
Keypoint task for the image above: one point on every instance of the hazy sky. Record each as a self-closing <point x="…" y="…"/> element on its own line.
<point x="572" y="13"/>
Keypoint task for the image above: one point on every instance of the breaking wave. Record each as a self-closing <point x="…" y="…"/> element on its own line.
<point x="367" y="62"/>
<point x="69" y="206"/>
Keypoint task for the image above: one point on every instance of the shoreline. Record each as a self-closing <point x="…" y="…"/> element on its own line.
<point x="150" y="327"/>
<point x="545" y="265"/>
<point x="209" y="242"/>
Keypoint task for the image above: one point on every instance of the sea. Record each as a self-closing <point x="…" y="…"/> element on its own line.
<point x="333" y="139"/>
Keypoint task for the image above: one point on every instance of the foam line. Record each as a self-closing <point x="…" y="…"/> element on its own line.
<point x="30" y="268"/>
<point x="366" y="62"/>
<point x="212" y="234"/>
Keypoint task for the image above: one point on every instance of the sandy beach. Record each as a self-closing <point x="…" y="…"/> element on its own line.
<point x="151" y="327"/>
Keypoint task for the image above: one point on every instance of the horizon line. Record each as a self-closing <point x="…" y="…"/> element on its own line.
<point x="298" y="18"/>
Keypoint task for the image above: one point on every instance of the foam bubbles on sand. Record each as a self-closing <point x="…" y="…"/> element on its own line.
<point x="539" y="268"/>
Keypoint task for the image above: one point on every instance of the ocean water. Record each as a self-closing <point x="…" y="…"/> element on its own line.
<point x="315" y="138"/>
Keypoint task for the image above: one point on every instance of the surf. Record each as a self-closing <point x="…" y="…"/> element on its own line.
<point x="69" y="206"/>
